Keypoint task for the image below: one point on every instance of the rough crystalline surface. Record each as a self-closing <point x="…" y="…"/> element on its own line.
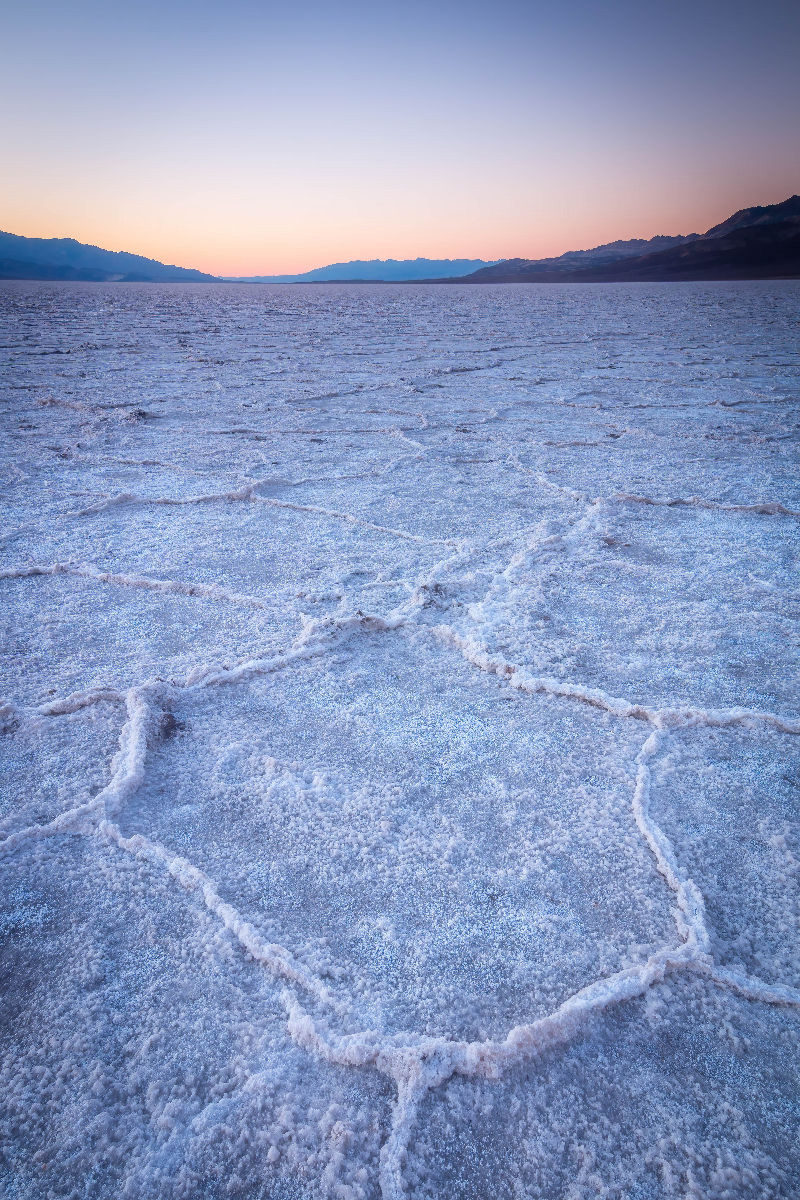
<point x="398" y="740"/>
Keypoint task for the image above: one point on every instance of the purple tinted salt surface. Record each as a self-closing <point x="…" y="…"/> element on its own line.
<point x="399" y="742"/>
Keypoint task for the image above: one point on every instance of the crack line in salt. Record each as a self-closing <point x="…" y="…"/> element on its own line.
<point x="522" y="680"/>
<point x="211" y="591"/>
<point x="250" y="493"/>
<point x="770" y="508"/>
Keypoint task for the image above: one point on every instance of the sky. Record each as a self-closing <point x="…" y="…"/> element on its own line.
<point x="264" y="138"/>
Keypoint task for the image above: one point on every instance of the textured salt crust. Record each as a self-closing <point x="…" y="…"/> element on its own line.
<point x="48" y="763"/>
<point x="727" y="802"/>
<point x="252" y="493"/>
<point x="405" y="792"/>
<point x="416" y="1065"/>
<point x="155" y="626"/>
<point x="166" y="586"/>
<point x="693" y="1112"/>
<point x="233" y="1089"/>
<point x="591" y="603"/>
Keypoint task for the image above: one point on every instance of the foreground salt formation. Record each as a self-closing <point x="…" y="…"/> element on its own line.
<point x="400" y="742"/>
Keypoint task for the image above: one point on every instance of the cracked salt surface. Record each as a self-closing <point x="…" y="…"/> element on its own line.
<point x="399" y="742"/>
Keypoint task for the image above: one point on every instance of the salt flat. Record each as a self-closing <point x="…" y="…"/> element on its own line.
<point x="400" y="742"/>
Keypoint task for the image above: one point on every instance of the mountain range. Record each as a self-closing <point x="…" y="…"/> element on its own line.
<point x="379" y="270"/>
<point x="754" y="243"/>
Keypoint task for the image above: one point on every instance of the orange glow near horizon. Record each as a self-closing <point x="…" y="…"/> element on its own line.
<point x="255" y="141"/>
<point x="204" y="243"/>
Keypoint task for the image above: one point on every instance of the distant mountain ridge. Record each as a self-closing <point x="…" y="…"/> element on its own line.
<point x="762" y="242"/>
<point x="579" y="260"/>
<point x="377" y="270"/>
<point x="64" y="258"/>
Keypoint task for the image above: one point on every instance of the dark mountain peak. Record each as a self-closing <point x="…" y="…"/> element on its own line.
<point x="762" y="242"/>
<point x="763" y="214"/>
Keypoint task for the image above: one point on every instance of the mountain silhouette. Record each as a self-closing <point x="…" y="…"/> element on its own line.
<point x="64" y="258"/>
<point x="754" y="243"/>
<point x="762" y="242"/>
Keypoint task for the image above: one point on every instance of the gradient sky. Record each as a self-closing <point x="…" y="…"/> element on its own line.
<point x="243" y="137"/>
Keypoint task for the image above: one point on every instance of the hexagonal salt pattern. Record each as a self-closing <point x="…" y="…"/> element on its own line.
<point x="414" y="825"/>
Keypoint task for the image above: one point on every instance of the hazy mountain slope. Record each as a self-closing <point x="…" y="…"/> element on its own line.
<point x="576" y="260"/>
<point x="64" y="258"/>
<point x="378" y="270"/>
